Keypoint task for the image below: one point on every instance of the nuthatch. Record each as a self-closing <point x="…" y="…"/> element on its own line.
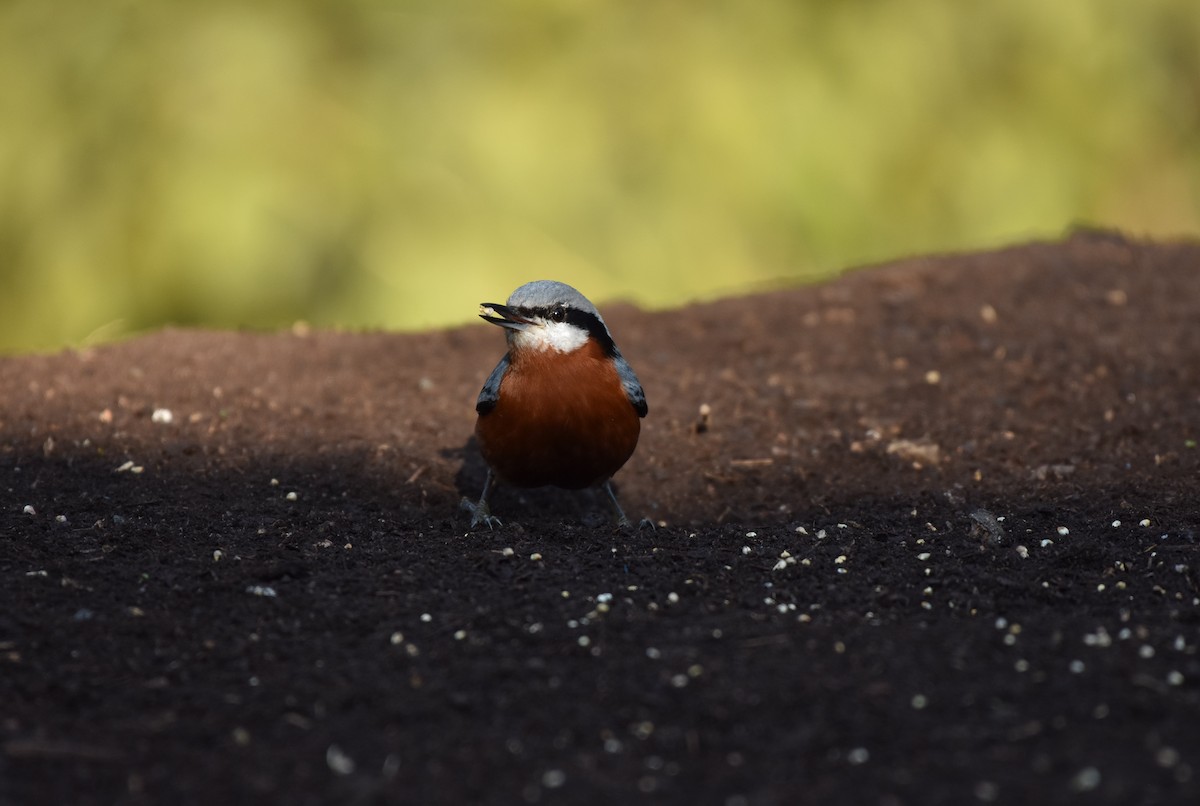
<point x="563" y="407"/>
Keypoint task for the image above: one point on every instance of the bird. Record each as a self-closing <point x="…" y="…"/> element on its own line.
<point x="563" y="407"/>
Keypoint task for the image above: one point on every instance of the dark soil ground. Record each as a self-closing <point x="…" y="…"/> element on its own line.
<point x="935" y="542"/>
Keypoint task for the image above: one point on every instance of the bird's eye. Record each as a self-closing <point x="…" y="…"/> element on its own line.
<point x="558" y="314"/>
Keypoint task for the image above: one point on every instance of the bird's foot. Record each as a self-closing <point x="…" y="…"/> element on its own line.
<point x="480" y="513"/>
<point x="624" y="523"/>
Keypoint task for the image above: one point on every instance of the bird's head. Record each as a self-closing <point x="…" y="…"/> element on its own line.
<point x="548" y="315"/>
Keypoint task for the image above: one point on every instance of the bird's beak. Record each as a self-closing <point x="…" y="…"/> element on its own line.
<point x="503" y="316"/>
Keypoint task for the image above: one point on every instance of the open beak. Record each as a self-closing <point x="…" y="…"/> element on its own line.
<point x="503" y="316"/>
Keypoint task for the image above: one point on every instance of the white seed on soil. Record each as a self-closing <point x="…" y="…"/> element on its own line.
<point x="1086" y="780"/>
<point x="162" y="416"/>
<point x="338" y="761"/>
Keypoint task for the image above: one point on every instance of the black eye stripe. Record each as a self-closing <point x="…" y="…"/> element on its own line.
<point x="580" y="319"/>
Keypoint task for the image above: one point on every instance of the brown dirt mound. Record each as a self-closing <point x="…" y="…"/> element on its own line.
<point x="935" y="541"/>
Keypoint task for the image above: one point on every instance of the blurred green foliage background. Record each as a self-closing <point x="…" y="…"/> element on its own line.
<point x="363" y="163"/>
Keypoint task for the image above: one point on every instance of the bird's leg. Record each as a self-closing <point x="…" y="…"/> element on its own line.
<point x="622" y="521"/>
<point x="481" y="512"/>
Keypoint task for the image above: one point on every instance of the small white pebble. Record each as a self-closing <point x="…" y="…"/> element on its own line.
<point x="746" y="550"/>
<point x="1047" y="542"/>
<point x="125" y="466"/>
<point x="338" y="761"/>
<point x="274" y="482"/>
<point x="1076" y="667"/>
<point x="1144" y="522"/>
<point x="565" y="594"/>
<point x="800" y="530"/>
<point x="1146" y="651"/>
<point x="460" y="635"/>
<point x="840" y="559"/>
<point x="923" y="556"/>
<point x="919" y="701"/>
<point x="933" y="377"/>
<point x="583" y="640"/>
<point x="653" y="653"/>
<point x="604" y="598"/>
<point x="673" y="597"/>
<point x="987" y="791"/>
<point x="553" y="779"/>
<point x="507" y="552"/>
<point x="162" y="416"/>
<point x="536" y="556"/>
<point x="397" y="638"/>
<point x="291" y="496"/>
<point x="1116" y="524"/>
<point x="261" y="590"/>
<point x="29" y="510"/>
<point x="859" y="755"/>
<point x="679" y="680"/>
<point x="60" y="518"/>
<point x="1166" y="756"/>
<point x="1022" y="552"/>
<point x="1086" y="780"/>
<point x="1063" y="531"/>
<point x="425" y="617"/>
<point x="218" y="555"/>
<point x="1175" y="677"/>
<point x="751" y="534"/>
<point x="779" y="566"/>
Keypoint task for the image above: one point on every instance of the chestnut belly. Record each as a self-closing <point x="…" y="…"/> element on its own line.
<point x="567" y="429"/>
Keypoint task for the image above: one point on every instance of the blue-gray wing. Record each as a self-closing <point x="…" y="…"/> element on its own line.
<point x="491" y="388"/>
<point x="631" y="385"/>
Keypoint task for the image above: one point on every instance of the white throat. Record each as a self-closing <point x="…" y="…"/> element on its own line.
<point x="562" y="337"/>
